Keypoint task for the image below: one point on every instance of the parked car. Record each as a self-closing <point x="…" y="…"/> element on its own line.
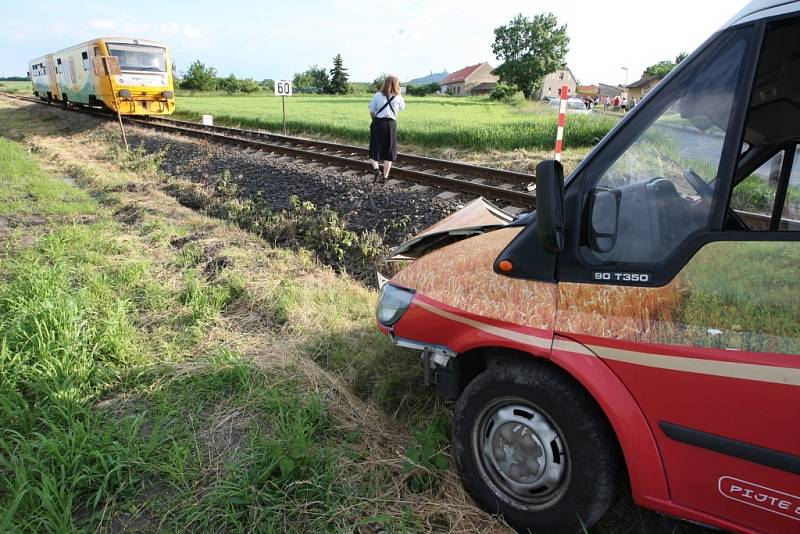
<point x="644" y="320"/>
<point x="574" y="105"/>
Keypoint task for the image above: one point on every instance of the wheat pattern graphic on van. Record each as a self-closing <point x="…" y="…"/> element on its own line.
<point x="461" y="276"/>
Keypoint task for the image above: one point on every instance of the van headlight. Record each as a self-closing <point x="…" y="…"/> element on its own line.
<point x="392" y="304"/>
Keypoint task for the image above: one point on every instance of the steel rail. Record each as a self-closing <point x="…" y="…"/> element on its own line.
<point x="452" y="184"/>
<point x="403" y="158"/>
<point x="244" y="138"/>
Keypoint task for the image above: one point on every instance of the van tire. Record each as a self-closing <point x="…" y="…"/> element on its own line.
<point x="580" y="473"/>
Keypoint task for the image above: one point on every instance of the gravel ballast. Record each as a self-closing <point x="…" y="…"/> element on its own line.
<point x="364" y="206"/>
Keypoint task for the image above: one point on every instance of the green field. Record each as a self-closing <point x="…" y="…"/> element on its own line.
<point x="441" y="122"/>
<point x="16" y="87"/>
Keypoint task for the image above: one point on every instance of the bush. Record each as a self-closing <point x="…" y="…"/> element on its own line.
<point x="248" y="85"/>
<point x="199" y="77"/>
<point x="230" y="84"/>
<point x="504" y="92"/>
<point x="422" y="90"/>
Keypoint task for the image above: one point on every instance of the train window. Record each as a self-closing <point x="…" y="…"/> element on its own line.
<point x="97" y="52"/>
<point x="85" y="58"/>
<point x="139" y="57"/>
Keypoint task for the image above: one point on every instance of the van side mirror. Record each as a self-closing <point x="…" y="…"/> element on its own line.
<point x="603" y="218"/>
<point x="550" y="204"/>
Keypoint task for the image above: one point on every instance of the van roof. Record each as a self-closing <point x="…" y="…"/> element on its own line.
<point x="758" y="9"/>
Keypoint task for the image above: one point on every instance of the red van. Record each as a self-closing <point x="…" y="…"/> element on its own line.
<point x="644" y="320"/>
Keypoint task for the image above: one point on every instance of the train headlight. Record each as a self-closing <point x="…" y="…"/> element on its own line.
<point x="167" y="94"/>
<point x="125" y="94"/>
<point x="392" y="304"/>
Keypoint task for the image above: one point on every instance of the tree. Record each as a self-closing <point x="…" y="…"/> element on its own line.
<point x="662" y="68"/>
<point x="248" y="85"/>
<point x="338" y="85"/>
<point x="230" y="84"/>
<point x="503" y="91"/>
<point x="199" y="77"/>
<point x="312" y="80"/>
<point x="375" y="86"/>
<point x="422" y="90"/>
<point x="529" y="50"/>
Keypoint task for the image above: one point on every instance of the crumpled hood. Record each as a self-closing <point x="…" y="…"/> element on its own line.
<point x="478" y="217"/>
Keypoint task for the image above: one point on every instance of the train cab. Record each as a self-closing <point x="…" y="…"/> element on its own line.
<point x="132" y="76"/>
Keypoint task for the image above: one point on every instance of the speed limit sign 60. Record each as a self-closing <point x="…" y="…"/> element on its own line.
<point x="283" y="88"/>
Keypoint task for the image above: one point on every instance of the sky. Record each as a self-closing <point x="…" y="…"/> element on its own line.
<point x="275" y="39"/>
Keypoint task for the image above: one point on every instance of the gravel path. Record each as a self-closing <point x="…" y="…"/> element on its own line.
<point x="363" y="205"/>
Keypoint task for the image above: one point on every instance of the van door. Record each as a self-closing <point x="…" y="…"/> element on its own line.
<point x="695" y="309"/>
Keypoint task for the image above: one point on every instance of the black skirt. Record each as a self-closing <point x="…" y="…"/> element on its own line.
<point x="383" y="140"/>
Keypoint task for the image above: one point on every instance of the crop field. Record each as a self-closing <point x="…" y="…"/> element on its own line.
<point x="442" y="122"/>
<point x="15" y="87"/>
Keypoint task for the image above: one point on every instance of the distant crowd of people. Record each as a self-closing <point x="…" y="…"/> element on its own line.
<point x="616" y="103"/>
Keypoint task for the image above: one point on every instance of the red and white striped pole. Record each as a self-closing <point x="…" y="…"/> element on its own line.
<point x="562" y="119"/>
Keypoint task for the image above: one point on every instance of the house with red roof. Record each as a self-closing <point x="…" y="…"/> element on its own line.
<point x="473" y="80"/>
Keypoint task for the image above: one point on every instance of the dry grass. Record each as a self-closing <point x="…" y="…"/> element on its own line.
<point x="518" y="160"/>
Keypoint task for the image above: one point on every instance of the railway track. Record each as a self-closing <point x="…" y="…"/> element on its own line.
<point x="505" y="187"/>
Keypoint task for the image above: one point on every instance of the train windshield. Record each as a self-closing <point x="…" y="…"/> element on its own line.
<point x="139" y="57"/>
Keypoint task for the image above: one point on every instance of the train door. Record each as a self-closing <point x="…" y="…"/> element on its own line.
<point x="72" y="76"/>
<point x="52" y="78"/>
<point x="683" y="277"/>
<point x="63" y="78"/>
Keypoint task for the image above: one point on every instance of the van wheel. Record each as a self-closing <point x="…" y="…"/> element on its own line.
<point x="533" y="447"/>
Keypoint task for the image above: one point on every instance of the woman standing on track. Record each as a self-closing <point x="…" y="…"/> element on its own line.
<point x="383" y="109"/>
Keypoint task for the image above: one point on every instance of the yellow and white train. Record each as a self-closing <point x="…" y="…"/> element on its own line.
<point x="142" y="85"/>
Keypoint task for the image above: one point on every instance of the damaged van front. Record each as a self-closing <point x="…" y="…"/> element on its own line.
<point x="448" y="268"/>
<point x="643" y="319"/>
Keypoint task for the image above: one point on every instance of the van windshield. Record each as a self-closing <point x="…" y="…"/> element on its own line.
<point x="663" y="182"/>
<point x="139" y="57"/>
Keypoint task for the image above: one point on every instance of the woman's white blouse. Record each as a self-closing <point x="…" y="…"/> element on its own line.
<point x="377" y="102"/>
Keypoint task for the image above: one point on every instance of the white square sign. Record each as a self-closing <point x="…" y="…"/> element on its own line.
<point x="283" y="88"/>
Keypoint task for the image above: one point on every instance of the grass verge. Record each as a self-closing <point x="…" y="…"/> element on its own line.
<point x="158" y="371"/>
